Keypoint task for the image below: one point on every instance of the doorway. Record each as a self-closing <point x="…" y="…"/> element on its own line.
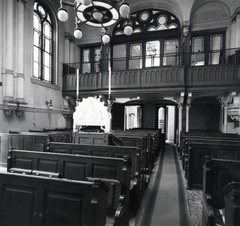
<point x="166" y="121"/>
<point x="133" y="117"/>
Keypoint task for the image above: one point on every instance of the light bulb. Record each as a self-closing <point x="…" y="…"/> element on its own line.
<point x="77" y="33"/>
<point x="124" y="10"/>
<point x="106" y="38"/>
<point x="62" y="14"/>
<point x="128" y="30"/>
<point x="97" y="15"/>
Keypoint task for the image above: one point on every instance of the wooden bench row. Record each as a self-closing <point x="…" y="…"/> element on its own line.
<point x="149" y="144"/>
<point x="115" y="172"/>
<point x="28" y="200"/>
<point x="133" y="153"/>
<point x="196" y="147"/>
<point x="221" y="192"/>
<point x="68" y="166"/>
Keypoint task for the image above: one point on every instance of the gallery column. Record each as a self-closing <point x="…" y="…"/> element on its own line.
<point x="187" y="117"/>
<point x="180" y="108"/>
<point x="238" y="29"/>
<point x="8" y="47"/>
<point x="188" y="105"/>
<point x="20" y="52"/>
<point x="225" y="101"/>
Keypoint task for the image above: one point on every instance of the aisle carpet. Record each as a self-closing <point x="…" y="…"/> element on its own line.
<point x="166" y="203"/>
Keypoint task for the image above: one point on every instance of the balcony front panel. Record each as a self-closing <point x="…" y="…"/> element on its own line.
<point x="162" y="77"/>
<point x="121" y="79"/>
<point x="214" y="75"/>
<point x="86" y="82"/>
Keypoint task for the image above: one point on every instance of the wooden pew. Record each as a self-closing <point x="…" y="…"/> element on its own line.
<point x="92" y="138"/>
<point x="199" y="148"/>
<point x="148" y="142"/>
<point x="27" y="200"/>
<point x="185" y="137"/>
<point x="132" y="153"/>
<point x="232" y="204"/>
<point x="207" y="134"/>
<point x="28" y="141"/>
<point x="79" y="167"/>
<point x="37" y="140"/>
<point x="217" y="174"/>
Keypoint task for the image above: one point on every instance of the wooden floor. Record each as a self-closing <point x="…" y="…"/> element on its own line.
<point x="164" y="203"/>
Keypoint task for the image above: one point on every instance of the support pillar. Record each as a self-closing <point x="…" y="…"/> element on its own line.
<point x="69" y="48"/>
<point x="233" y="35"/>
<point x="8" y="47"/>
<point x="180" y="108"/>
<point x="108" y="128"/>
<point x="20" y="52"/>
<point x="238" y="30"/>
<point x="188" y="105"/>
<point x="225" y="122"/>
<point x="187" y="117"/>
<point x="225" y="102"/>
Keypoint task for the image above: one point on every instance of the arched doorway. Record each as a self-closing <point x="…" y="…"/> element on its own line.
<point x="166" y="119"/>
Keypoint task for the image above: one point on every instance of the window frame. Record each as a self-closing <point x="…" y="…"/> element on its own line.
<point x="48" y="19"/>
<point x="206" y="34"/>
<point x="143" y="54"/>
<point x="92" y="60"/>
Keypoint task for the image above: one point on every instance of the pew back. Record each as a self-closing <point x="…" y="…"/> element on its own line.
<point x="200" y="135"/>
<point x="32" y="142"/>
<point x="217" y="174"/>
<point x="132" y="153"/>
<point x="198" y="149"/>
<point x="30" y="200"/>
<point x="92" y="138"/>
<point x="77" y="167"/>
<point x="74" y="167"/>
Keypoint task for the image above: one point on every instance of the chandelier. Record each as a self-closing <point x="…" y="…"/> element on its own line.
<point x="96" y="13"/>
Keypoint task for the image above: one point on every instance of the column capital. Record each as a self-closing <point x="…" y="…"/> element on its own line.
<point x="180" y="99"/>
<point x="226" y="100"/>
<point x="185" y="28"/>
<point x="236" y="15"/>
<point x="180" y="106"/>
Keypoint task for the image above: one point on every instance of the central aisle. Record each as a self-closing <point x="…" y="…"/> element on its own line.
<point x="166" y="205"/>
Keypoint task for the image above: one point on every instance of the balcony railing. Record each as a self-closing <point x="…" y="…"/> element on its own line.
<point x="223" y="71"/>
<point x="214" y="75"/>
<point x="151" y="77"/>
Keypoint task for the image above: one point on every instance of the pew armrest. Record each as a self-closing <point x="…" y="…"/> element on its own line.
<point x="122" y="212"/>
<point x="207" y="211"/>
<point x="114" y="193"/>
<point x="232" y="203"/>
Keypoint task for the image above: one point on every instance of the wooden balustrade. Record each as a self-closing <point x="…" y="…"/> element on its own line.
<point x="149" y="77"/>
<point x="225" y="75"/>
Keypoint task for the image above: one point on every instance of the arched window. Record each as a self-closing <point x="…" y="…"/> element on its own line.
<point x="42" y="43"/>
<point x="155" y="41"/>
